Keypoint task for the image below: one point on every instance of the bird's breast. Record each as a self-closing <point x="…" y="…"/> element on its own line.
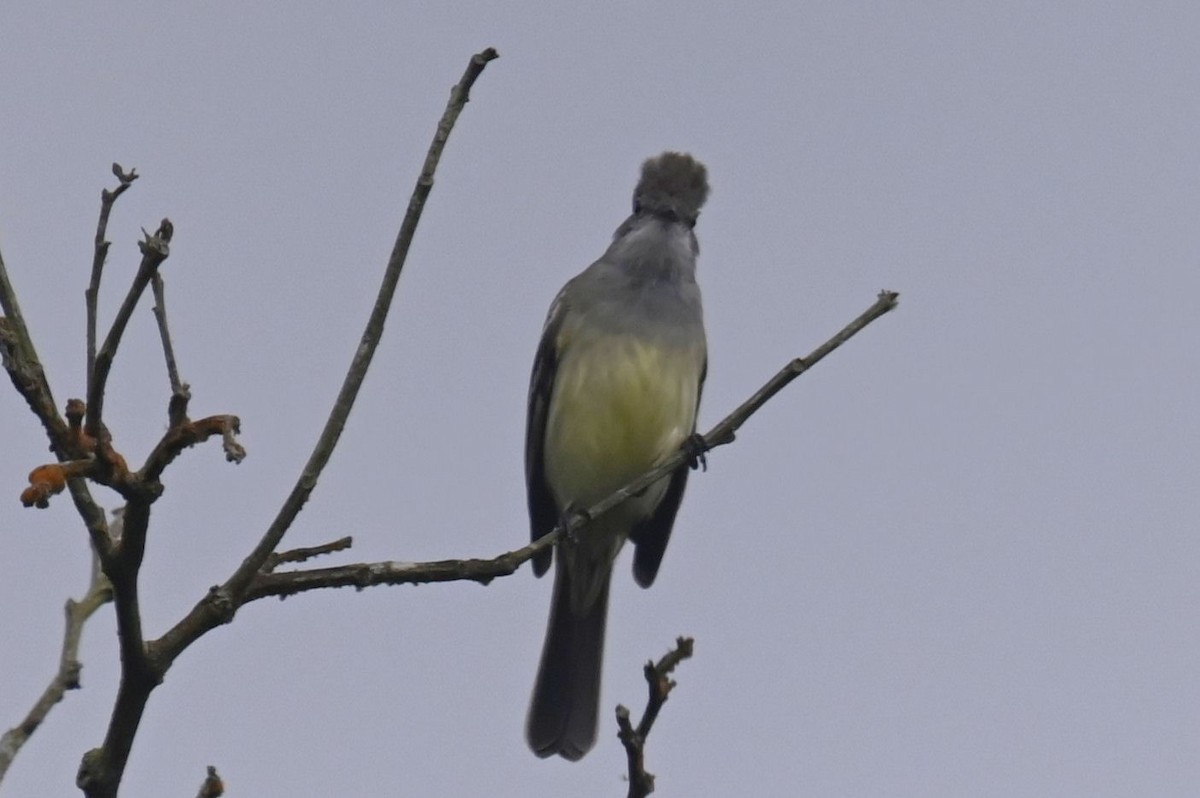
<point x="620" y="404"/>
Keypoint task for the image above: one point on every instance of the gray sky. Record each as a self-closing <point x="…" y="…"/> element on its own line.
<point x="957" y="558"/>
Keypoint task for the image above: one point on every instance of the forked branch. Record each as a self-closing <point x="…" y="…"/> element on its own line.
<point x="250" y="567"/>
<point x="659" y="686"/>
<point x="144" y="663"/>
<point x="77" y="613"/>
<point x="99" y="255"/>
<point x="155" y="249"/>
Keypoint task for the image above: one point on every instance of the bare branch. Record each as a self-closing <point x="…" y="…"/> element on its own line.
<point x="363" y="575"/>
<point x="16" y="321"/>
<point x="178" y="388"/>
<point x="724" y="432"/>
<point x="306" y="553"/>
<point x="659" y="684"/>
<point x="187" y="434"/>
<point x="144" y="664"/>
<point x="100" y="253"/>
<point x="98" y="594"/>
<point x="658" y="680"/>
<point x="336" y="422"/>
<point x="19" y="358"/>
<point x="155" y="249"/>
<point x="20" y="361"/>
<point x="123" y="573"/>
<point x="142" y="670"/>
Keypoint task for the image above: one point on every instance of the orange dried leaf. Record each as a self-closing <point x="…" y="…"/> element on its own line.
<point x="44" y="482"/>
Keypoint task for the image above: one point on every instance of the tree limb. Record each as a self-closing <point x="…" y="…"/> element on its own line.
<point x="306" y="553"/>
<point x="19" y="358"/>
<point x="99" y="254"/>
<point x="155" y="249"/>
<point x="459" y="95"/>
<point x="98" y="594"/>
<point x="362" y="575"/>
<point x="189" y="433"/>
<point x="178" y="388"/>
<point x="16" y="321"/>
<point x="215" y="608"/>
<point x="660" y="685"/>
<point x="144" y="664"/>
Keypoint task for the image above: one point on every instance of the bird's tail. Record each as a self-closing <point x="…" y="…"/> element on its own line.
<point x="566" y="696"/>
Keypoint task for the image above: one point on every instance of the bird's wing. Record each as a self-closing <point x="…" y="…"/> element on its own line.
<point x="651" y="535"/>
<point x="543" y="511"/>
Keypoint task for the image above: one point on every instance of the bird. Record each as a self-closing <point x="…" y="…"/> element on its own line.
<point x="615" y="390"/>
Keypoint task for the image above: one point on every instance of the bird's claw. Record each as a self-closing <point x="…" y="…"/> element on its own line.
<point x="695" y="448"/>
<point x="572" y="520"/>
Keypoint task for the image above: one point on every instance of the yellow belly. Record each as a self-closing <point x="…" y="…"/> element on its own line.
<point x="619" y="406"/>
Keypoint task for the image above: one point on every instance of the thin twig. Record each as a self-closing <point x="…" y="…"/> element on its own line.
<point x="336" y="422"/>
<point x="155" y="250"/>
<point x="164" y="333"/>
<point x="724" y="431"/>
<point x="659" y="685"/>
<point x="98" y="594"/>
<point x="144" y="664"/>
<point x="306" y="553"/>
<point x="99" y="254"/>
<point x="362" y="575"/>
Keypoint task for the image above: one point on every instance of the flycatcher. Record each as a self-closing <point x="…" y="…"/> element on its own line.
<point x="615" y="388"/>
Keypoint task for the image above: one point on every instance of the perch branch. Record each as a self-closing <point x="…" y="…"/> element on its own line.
<point x="362" y="575"/>
<point x="724" y="432"/>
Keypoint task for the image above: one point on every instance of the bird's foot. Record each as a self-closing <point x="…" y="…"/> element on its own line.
<point x="572" y="520"/>
<point x="695" y="447"/>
